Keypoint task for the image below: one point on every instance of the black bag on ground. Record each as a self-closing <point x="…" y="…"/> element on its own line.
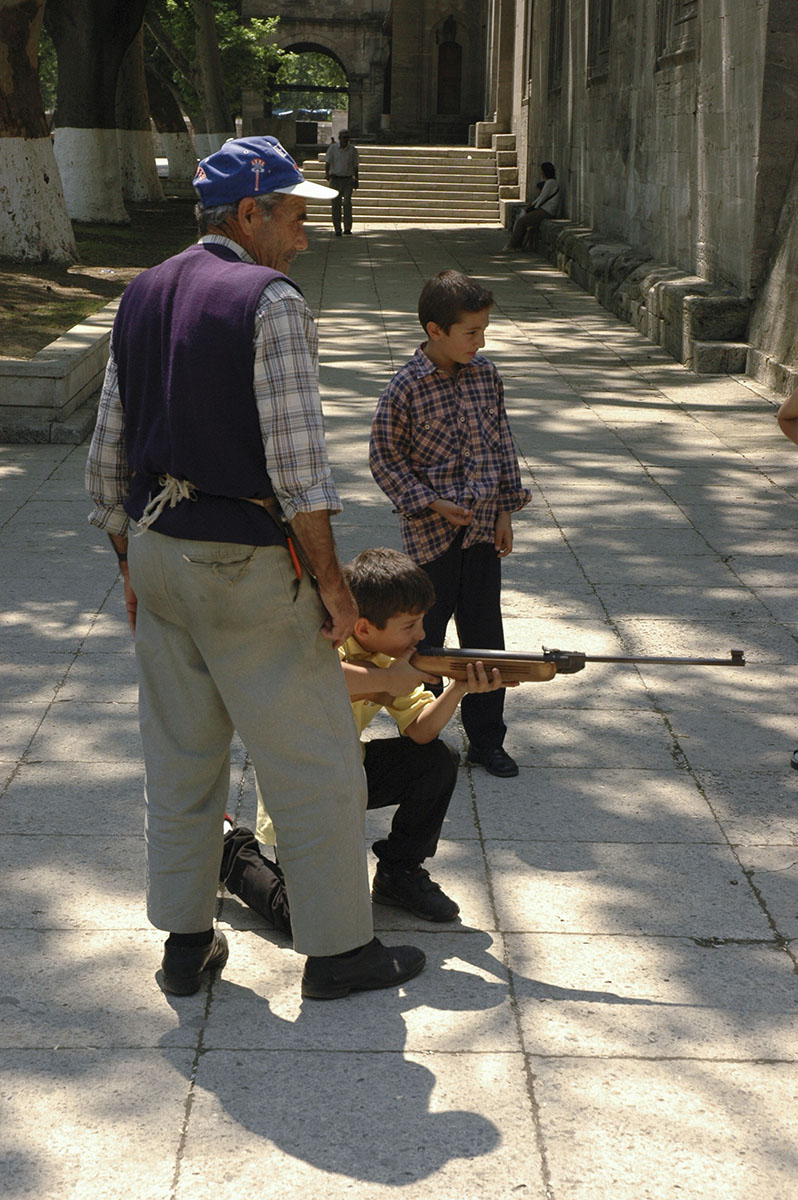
<point x="246" y="873"/>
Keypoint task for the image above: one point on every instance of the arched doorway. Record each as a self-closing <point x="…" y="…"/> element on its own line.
<point x="313" y="89"/>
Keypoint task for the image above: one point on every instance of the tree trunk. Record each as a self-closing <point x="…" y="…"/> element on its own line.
<point x="218" y="120"/>
<point x="134" y="133"/>
<point x="172" y="129"/>
<point x="34" y="226"/>
<point x="91" y="38"/>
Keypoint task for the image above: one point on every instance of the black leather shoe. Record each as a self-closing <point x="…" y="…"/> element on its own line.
<point x="183" y="966"/>
<point x="373" y="966"/>
<point x="412" y="889"/>
<point x="495" y="762"/>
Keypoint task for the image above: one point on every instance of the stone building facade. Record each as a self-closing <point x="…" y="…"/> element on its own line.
<point x="674" y="128"/>
<point x="415" y="68"/>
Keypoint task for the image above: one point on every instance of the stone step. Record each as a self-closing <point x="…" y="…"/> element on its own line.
<point x="410" y="183"/>
<point x="432" y="171"/>
<point x="417" y="153"/>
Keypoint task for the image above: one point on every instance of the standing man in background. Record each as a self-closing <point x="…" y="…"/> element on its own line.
<point x="341" y="169"/>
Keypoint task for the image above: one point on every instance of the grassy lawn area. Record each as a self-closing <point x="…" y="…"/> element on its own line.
<point x="39" y="302"/>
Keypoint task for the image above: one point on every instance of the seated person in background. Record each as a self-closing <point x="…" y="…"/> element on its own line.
<point x="415" y="771"/>
<point x="546" y="204"/>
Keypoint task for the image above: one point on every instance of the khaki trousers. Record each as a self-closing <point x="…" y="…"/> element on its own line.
<point x="226" y="639"/>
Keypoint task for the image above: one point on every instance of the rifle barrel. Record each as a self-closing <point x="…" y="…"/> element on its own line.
<point x="736" y="659"/>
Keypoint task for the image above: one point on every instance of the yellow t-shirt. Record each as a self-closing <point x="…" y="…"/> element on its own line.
<point x="403" y="709"/>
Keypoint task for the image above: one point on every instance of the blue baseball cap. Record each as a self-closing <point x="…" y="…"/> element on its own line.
<point x="252" y="166"/>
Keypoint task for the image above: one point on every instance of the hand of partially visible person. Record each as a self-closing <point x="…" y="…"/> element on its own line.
<point x="787" y="417"/>
<point x="455" y="514"/>
<point x="503" y="535"/>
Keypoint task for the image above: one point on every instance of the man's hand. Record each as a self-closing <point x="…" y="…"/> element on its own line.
<point x="131" y="603"/>
<point x="503" y="535"/>
<point x="119" y="544"/>
<point x="313" y="532"/>
<point x="341" y="613"/>
<point x="455" y="514"/>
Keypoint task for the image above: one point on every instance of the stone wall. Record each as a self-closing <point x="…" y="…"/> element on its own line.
<point x="418" y="30"/>
<point x="661" y="150"/>
<point x="681" y="143"/>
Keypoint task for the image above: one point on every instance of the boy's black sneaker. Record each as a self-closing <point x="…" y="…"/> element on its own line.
<point x="184" y="966"/>
<point x="411" y="888"/>
<point x="496" y="761"/>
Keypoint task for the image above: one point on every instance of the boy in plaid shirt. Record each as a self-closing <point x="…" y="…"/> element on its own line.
<point x="442" y="451"/>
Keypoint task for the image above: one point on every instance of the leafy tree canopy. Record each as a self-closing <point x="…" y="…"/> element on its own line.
<point x="250" y="60"/>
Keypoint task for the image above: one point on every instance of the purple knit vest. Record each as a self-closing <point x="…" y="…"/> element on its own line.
<point x="183" y="344"/>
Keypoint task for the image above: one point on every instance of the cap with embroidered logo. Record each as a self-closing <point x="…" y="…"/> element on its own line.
<point x="253" y="166"/>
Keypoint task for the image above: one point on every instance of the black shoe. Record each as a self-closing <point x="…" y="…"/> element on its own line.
<point x="348" y="232"/>
<point x="495" y="762"/>
<point x="183" y="966"/>
<point x="373" y="966"/>
<point x="338" y="233"/>
<point x="412" y="888"/>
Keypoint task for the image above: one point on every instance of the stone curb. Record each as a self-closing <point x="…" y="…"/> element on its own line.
<point x="52" y="397"/>
<point x="700" y="324"/>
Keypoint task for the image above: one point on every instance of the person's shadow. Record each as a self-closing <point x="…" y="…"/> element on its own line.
<point x="335" y="1087"/>
<point x="361" y="1111"/>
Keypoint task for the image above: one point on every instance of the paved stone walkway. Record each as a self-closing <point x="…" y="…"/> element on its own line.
<point x="615" y="1017"/>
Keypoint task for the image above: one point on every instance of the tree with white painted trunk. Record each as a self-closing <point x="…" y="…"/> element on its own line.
<point x="170" y="122"/>
<point x="197" y="71"/>
<point x="34" y="225"/>
<point x="91" y="38"/>
<point x="207" y="55"/>
<point x="134" y="133"/>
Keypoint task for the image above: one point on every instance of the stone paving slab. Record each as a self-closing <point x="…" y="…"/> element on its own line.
<point x="613" y="1016"/>
<point x="652" y="1131"/>
<point x="604" y="997"/>
<point x="118" y="1126"/>
<point x="652" y="890"/>
<point x="398" y="1123"/>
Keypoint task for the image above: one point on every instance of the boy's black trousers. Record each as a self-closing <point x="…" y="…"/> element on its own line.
<point x="418" y="779"/>
<point x="468" y="587"/>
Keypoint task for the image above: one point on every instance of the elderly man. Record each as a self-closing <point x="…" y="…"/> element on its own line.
<point x="209" y="437"/>
<point x="341" y="166"/>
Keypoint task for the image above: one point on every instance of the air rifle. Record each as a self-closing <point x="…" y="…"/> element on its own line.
<point x="537" y="668"/>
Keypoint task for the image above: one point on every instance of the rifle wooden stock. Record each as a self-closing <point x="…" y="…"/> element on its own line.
<point x="537" y="668"/>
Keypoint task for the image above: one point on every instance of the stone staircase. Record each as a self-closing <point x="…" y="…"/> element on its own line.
<point x="451" y="184"/>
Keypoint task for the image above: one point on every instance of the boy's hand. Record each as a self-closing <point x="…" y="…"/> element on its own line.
<point x="480" y="681"/>
<point x="455" y="514"/>
<point x="400" y="678"/>
<point x="503" y="534"/>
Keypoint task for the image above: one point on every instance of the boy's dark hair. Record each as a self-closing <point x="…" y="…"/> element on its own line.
<point x="445" y="298"/>
<point x="385" y="582"/>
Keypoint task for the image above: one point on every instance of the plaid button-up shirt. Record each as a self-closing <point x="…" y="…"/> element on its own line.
<point x="440" y="437"/>
<point x="286" y="374"/>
